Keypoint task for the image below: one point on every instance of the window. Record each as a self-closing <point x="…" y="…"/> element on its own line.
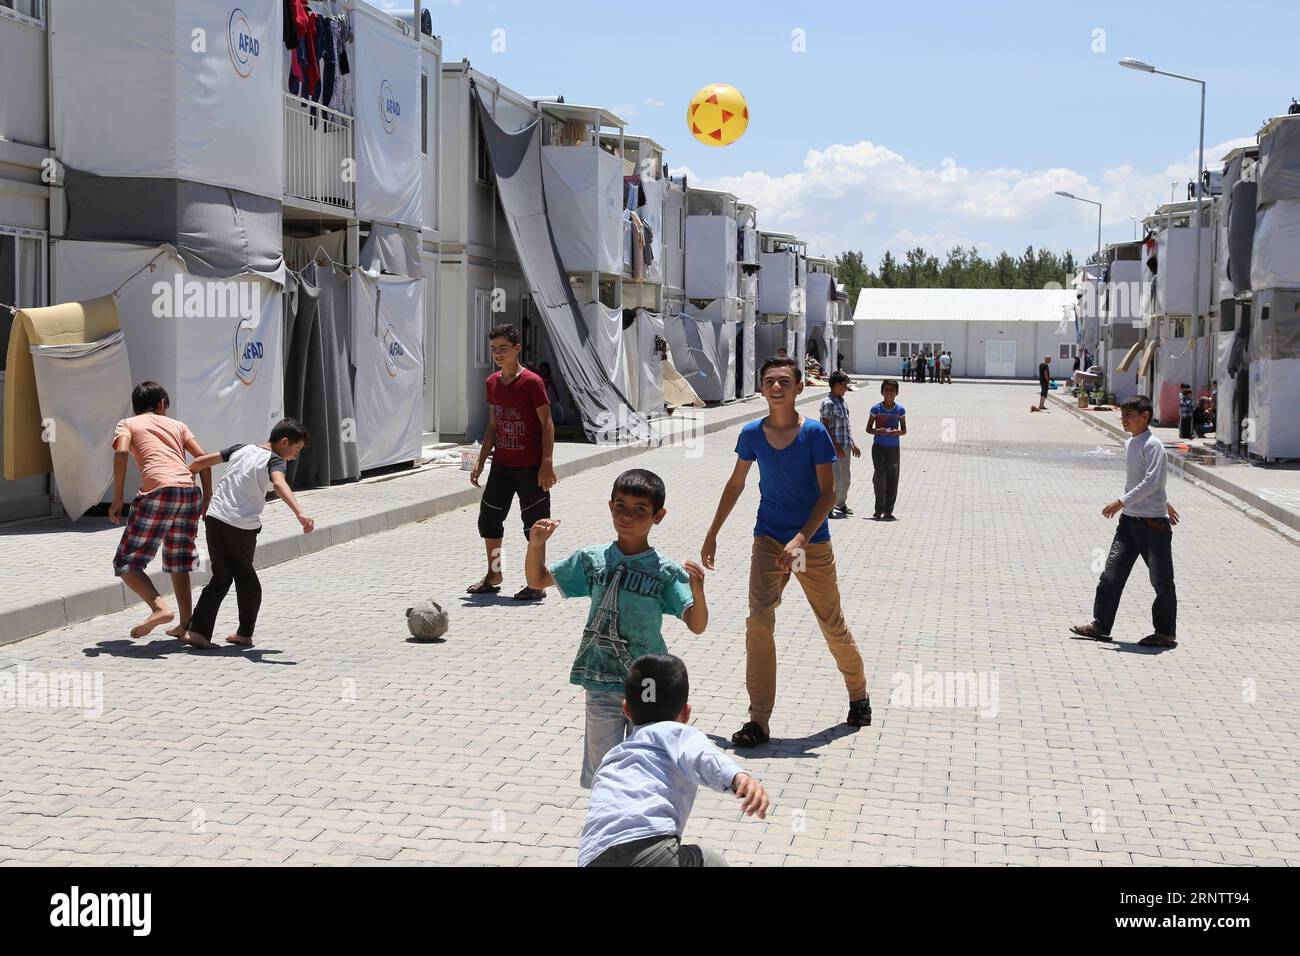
<point x="893" y="349"/>
<point x="424" y="113"/>
<point x="681" y="227"/>
<point x="882" y="349"/>
<point x="482" y="325"/>
<point x="33" y="10"/>
<point x="1069" y="352"/>
<point x="1180" y="328"/>
<point x="936" y="348"/>
<point x="484" y="171"/>
<point x="22" y="276"/>
<point x="1228" y="316"/>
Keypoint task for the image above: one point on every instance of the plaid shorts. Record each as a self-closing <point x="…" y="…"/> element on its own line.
<point x="167" y="517"/>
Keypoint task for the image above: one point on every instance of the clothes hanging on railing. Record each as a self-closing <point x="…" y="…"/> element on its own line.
<point x="295" y="22"/>
<point x="304" y="73"/>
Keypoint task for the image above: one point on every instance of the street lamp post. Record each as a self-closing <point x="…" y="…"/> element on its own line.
<point x="1132" y="64"/>
<point x="1062" y="192"/>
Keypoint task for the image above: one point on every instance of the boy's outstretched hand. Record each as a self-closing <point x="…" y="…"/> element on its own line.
<point x="696" y="574"/>
<point x="708" y="551"/>
<point x="753" y="798"/>
<point x="542" y="529"/>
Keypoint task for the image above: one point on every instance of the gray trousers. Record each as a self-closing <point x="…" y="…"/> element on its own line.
<point x="658" y="851"/>
<point x="842" y="478"/>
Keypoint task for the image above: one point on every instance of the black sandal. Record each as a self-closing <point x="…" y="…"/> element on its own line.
<point x="529" y="594"/>
<point x="859" y="712"/>
<point x="483" y="587"/>
<point x="751" y="735"/>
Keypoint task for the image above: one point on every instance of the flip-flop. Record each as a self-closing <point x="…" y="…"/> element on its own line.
<point x="483" y="588"/>
<point x="750" y="735"/>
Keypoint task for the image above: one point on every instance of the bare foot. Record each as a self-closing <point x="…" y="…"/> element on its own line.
<point x="179" y="630"/>
<point x="197" y="640"/>
<point x="240" y="640"/>
<point x="156" y="619"/>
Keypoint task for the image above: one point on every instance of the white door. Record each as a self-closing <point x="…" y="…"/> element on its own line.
<point x="1000" y="358"/>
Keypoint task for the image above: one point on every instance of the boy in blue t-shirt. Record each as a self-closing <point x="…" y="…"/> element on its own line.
<point x="888" y="422"/>
<point x="796" y="493"/>
<point x="631" y="587"/>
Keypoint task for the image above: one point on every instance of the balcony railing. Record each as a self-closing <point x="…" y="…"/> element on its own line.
<point x="319" y="158"/>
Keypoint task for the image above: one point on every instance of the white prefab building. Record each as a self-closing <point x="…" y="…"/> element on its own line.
<point x="991" y="333"/>
<point x="1119" y="304"/>
<point x="782" y="288"/>
<point x="1177" y="344"/>
<point x="321" y="195"/>
<point x="480" y="282"/>
<point x="824" y="302"/>
<point x="714" y="312"/>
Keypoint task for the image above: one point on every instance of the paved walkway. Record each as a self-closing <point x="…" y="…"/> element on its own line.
<point x="57" y="572"/>
<point x="338" y="741"/>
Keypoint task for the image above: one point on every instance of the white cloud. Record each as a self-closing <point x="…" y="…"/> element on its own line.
<point x="654" y="101"/>
<point x="867" y="196"/>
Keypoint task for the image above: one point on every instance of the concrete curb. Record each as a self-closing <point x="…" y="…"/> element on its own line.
<point x="1201" y="473"/>
<point x="45" y="614"/>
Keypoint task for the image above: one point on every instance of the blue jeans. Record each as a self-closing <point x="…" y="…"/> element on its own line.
<point x="1152" y="540"/>
<point x="606" y="729"/>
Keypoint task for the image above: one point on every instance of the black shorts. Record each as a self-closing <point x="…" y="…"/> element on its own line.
<point x="503" y="484"/>
<point x="1042" y="389"/>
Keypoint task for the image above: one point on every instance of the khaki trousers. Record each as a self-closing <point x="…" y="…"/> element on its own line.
<point x="766" y="584"/>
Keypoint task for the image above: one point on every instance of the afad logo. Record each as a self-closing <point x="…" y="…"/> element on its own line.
<point x="392" y="351"/>
<point x="248" y="352"/>
<point x="389" y="107"/>
<point x="244" y="47"/>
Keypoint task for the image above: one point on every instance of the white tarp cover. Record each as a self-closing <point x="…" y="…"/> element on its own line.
<point x="1175" y="364"/>
<point x="749" y="320"/>
<point x="711" y="332"/>
<point x="1222" y="285"/>
<point x="1177" y="257"/>
<point x="214" y="344"/>
<point x="133" y="97"/>
<point x="820" y="287"/>
<point x="1275" y="374"/>
<point x="650" y="371"/>
<point x="776" y="286"/>
<point x="386" y="70"/>
<point x="710" y="257"/>
<point x="1225" y="425"/>
<point x="605" y="326"/>
<point x="749" y="244"/>
<point x="84" y="391"/>
<point x="584" y="202"/>
<point x="652" y="214"/>
<point x="388" y="354"/>
<point x="1275" y="252"/>
<point x="680" y="350"/>
<point x="1124" y="303"/>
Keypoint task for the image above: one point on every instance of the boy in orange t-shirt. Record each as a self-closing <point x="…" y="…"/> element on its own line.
<point x="166" y="511"/>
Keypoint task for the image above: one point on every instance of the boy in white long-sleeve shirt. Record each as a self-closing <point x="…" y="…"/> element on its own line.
<point x="1145" y="530"/>
<point x="645" y="787"/>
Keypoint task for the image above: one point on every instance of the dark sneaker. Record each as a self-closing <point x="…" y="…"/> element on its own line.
<point x="876" y="516"/>
<point x="847" y="510"/>
<point x="859" y="712"/>
<point x="1090" y="631"/>
<point x="1158" y="640"/>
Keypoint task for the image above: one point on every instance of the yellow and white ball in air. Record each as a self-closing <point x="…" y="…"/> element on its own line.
<point x="718" y="115"/>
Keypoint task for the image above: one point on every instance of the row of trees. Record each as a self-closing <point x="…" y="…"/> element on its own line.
<point x="959" y="269"/>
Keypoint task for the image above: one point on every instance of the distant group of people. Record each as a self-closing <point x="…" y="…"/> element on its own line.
<point x="927" y="366"/>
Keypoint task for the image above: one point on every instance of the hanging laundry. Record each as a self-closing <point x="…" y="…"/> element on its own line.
<point x="638" y="242"/>
<point x="635" y="192"/>
<point x="295" y="22"/>
<point x="328" y="59"/>
<point x="305" y="74"/>
<point x="649" y="250"/>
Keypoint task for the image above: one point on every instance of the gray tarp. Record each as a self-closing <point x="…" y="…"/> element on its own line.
<point x="393" y="251"/>
<point x="1278" y="172"/>
<point x="1241" y="234"/>
<point x="317" y="379"/>
<point x="1276" y="336"/>
<point x="516" y="160"/>
<point x="218" y="232"/>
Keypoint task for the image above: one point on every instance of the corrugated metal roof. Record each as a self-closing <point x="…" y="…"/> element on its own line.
<point x="964" y="305"/>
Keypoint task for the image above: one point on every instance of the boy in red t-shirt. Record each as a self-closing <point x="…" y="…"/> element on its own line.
<point x="521" y="439"/>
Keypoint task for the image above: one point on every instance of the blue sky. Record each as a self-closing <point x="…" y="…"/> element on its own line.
<point x="904" y="123"/>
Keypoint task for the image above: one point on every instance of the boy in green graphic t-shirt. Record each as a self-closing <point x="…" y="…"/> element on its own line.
<point x="631" y="587"/>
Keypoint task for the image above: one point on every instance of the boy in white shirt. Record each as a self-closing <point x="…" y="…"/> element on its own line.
<point x="233" y="522"/>
<point x="1145" y="530"/>
<point x="645" y="787"/>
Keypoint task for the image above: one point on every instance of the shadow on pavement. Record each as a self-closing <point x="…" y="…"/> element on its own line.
<point x="779" y="747"/>
<point x="158" y="649"/>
